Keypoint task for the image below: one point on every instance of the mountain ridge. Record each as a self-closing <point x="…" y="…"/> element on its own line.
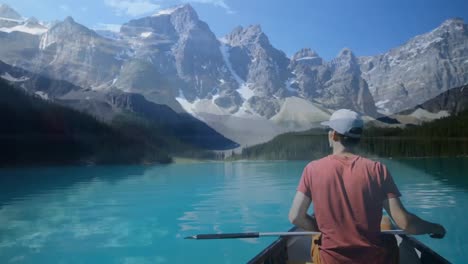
<point x="111" y="104"/>
<point x="173" y="58"/>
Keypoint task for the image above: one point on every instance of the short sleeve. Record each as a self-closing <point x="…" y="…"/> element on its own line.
<point x="304" y="184"/>
<point x="390" y="190"/>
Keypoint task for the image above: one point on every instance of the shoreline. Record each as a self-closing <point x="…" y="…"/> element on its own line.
<point x="184" y="160"/>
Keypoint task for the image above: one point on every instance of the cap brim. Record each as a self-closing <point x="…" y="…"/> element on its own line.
<point x="325" y="123"/>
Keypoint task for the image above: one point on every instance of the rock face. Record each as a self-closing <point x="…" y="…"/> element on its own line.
<point x="335" y="84"/>
<point x="8" y="17"/>
<point x="259" y="66"/>
<point x="36" y="83"/>
<point x="77" y="54"/>
<point x="8" y="12"/>
<point x="452" y="101"/>
<point x="179" y="54"/>
<point x="173" y="58"/>
<point x="419" y="70"/>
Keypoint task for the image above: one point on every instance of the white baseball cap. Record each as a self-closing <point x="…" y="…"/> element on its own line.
<point x="343" y="121"/>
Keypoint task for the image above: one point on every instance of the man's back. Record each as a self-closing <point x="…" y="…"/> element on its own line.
<point x="348" y="192"/>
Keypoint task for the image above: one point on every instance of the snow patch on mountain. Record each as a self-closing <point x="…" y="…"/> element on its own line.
<point x="245" y="91"/>
<point x="12" y="20"/>
<point x="43" y="44"/>
<point x="288" y="84"/>
<point x="201" y="106"/>
<point x="7" y="76"/>
<point x="42" y="95"/>
<point x="25" y="29"/>
<point x="306" y="58"/>
<point x="381" y="106"/>
<point x="146" y="34"/>
<point x="168" y="11"/>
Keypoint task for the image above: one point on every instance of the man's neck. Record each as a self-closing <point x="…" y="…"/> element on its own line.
<point x="342" y="151"/>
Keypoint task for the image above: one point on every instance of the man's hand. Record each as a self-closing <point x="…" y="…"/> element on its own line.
<point x="409" y="222"/>
<point x="438" y="231"/>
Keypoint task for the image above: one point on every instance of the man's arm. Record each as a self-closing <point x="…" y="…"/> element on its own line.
<point x="298" y="213"/>
<point x="409" y="222"/>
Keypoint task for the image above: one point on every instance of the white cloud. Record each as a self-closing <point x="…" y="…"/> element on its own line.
<point x="141" y="7"/>
<point x="132" y="7"/>
<point x="64" y="8"/>
<point x="218" y="3"/>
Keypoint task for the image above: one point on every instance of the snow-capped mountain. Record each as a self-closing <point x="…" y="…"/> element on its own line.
<point x="11" y="21"/>
<point x="239" y="84"/>
<point x="260" y="69"/>
<point x="110" y="104"/>
<point x="9" y="13"/>
<point x="419" y="70"/>
<point x="176" y="57"/>
<point x="334" y="84"/>
<point x="79" y="55"/>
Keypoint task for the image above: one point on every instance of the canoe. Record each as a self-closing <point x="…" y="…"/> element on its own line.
<point x="295" y="250"/>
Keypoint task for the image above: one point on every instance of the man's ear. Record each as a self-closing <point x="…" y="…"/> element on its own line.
<point x="334" y="136"/>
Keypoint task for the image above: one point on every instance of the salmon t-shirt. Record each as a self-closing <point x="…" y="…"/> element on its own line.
<point x="347" y="195"/>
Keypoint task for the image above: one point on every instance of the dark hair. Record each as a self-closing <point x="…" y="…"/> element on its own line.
<point x="350" y="142"/>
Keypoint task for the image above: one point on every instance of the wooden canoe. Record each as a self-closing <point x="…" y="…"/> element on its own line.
<point x="295" y="250"/>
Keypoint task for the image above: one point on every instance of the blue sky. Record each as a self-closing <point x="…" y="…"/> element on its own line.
<point x="368" y="27"/>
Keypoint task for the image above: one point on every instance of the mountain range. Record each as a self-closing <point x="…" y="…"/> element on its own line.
<point x="240" y="84"/>
<point x="38" y="132"/>
<point x="113" y="104"/>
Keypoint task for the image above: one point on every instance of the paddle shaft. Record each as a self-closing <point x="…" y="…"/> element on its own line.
<point x="258" y="234"/>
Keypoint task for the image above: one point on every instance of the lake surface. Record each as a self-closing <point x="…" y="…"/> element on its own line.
<point x="140" y="214"/>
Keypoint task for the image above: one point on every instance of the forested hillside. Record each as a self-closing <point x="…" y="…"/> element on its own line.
<point x="443" y="137"/>
<point x="35" y="131"/>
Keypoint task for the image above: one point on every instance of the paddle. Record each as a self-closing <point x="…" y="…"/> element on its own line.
<point x="258" y="234"/>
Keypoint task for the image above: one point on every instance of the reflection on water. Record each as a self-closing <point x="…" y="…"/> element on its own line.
<point x="430" y="195"/>
<point x="141" y="214"/>
<point x="435" y="189"/>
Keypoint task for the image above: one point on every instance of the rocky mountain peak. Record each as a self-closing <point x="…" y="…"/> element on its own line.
<point x="185" y="18"/>
<point x="69" y="20"/>
<point x="252" y="34"/>
<point x="346" y="60"/>
<point x="185" y="10"/>
<point x="32" y="20"/>
<point x="64" y="31"/>
<point x="306" y="56"/>
<point x="453" y="26"/>
<point x="69" y="27"/>
<point x="173" y="58"/>
<point x="34" y="23"/>
<point x="453" y="22"/>
<point x="8" y="12"/>
<point x="305" y="52"/>
<point x="255" y="29"/>
<point x="346" y="53"/>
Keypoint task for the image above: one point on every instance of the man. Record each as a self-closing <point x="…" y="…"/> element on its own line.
<point x="349" y="192"/>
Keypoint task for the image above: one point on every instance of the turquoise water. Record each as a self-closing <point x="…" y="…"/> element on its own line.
<point x="140" y="214"/>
